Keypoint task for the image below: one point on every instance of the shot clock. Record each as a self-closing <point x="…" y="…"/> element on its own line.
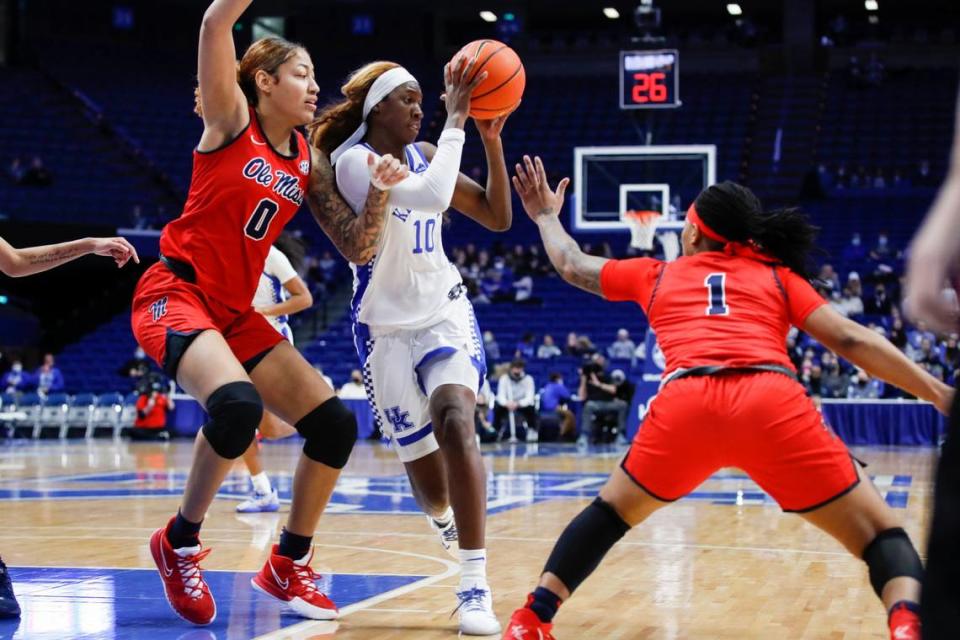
<point x="650" y="79"/>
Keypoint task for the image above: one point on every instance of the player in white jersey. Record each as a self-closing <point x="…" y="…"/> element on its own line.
<point x="280" y="294"/>
<point x="415" y="331"/>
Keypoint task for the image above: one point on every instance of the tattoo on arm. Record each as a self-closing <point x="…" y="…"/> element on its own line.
<point x="55" y="256"/>
<point x="573" y="265"/>
<point x="356" y="236"/>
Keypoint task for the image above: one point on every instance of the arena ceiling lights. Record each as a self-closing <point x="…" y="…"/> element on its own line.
<point x="488" y="16"/>
<point x="871" y="5"/>
<point x="611" y="12"/>
<point x="734" y="9"/>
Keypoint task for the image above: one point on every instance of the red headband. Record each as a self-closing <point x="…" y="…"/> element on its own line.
<point x="694" y="217"/>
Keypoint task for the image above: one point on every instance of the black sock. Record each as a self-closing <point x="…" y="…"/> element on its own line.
<point x="544" y="603"/>
<point x="184" y="533"/>
<point x="906" y="604"/>
<point x="294" y="546"/>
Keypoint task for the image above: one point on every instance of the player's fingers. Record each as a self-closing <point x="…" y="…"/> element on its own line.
<point x="562" y="187"/>
<point x="463" y="69"/>
<point x="531" y="171"/>
<point x="131" y="250"/>
<point x="522" y="176"/>
<point x="371" y="160"/>
<point x="516" y="185"/>
<point x="447" y="75"/>
<point x="541" y="172"/>
<point x="483" y="75"/>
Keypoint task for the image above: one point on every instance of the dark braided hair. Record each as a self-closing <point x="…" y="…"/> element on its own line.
<point x="734" y="212"/>
<point x="294" y="248"/>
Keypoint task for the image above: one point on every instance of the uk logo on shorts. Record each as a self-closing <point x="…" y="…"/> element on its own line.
<point x="399" y="419"/>
<point x="159" y="308"/>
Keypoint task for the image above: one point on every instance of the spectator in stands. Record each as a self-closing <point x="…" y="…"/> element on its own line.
<point x="538" y="265"/>
<point x="863" y="387"/>
<point x="525" y="349"/>
<point x="353" y="389"/>
<point x="924" y="176"/>
<point x="153" y="406"/>
<point x="48" y="376"/>
<point x="897" y="181"/>
<point x="880" y="303"/>
<point x="842" y="178"/>
<point x="836" y="303"/>
<point x="950" y="354"/>
<point x="852" y="304"/>
<point x="812" y="379"/>
<point x="879" y="181"/>
<point x="523" y="290"/>
<point x="554" y="400"/>
<point x="491" y="348"/>
<point x="917" y="336"/>
<point x="548" y="349"/>
<point x="829" y="277"/>
<point x="600" y="393"/>
<point x="882" y="251"/>
<point x="516" y="396"/>
<point x="854" y="252"/>
<point x="580" y="346"/>
<point x="833" y="382"/>
<point x="484" y="429"/>
<point x="898" y="335"/>
<point x="623" y="348"/>
<point x="794" y="351"/>
<point x="16" y="171"/>
<point x="855" y="285"/>
<point x="136" y="367"/>
<point x="16" y="379"/>
<point x="37" y="174"/>
<point x="571" y="344"/>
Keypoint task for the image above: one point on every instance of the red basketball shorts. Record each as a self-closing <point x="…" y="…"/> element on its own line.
<point x="169" y="312"/>
<point x="762" y="423"/>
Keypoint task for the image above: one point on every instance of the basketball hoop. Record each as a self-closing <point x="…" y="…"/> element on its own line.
<point x="643" y="227"/>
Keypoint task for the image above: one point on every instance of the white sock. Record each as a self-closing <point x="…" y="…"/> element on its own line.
<point x="473" y="566"/>
<point x="444" y="518"/>
<point x="261" y="483"/>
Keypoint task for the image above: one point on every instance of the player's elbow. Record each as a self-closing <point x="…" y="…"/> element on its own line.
<point x="213" y="20"/>
<point x="12" y="267"/>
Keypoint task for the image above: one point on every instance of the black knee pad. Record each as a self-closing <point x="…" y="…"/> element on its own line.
<point x="330" y="431"/>
<point x="235" y="411"/>
<point x="891" y="555"/>
<point x="584" y="542"/>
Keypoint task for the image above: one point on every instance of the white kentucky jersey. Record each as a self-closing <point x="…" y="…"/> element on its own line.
<point x="410" y="283"/>
<point x="276" y="271"/>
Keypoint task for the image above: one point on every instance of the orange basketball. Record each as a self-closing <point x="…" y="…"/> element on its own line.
<point x="500" y="93"/>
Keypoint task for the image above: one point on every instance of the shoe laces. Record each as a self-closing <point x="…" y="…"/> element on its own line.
<point x="471" y="600"/>
<point x="450" y="534"/>
<point x="189" y="568"/>
<point x="306" y="577"/>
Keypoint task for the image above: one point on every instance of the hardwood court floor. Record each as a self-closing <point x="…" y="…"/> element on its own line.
<point x="723" y="563"/>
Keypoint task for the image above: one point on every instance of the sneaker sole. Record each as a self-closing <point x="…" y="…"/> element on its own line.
<point x="270" y="509"/>
<point x="296" y="604"/>
<point x="156" y="561"/>
<point x="482" y="631"/>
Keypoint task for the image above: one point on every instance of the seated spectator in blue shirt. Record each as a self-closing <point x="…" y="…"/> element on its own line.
<point x="492" y="349"/>
<point x="525" y="348"/>
<point x="623" y="348"/>
<point x="16" y="379"/>
<point x="48" y="377"/>
<point x="553" y="401"/>
<point x="548" y="349"/>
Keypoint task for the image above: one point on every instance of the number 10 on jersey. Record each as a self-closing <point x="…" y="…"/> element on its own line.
<point x="426" y="232"/>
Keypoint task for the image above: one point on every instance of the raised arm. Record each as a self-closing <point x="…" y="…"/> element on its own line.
<point x="935" y="252"/>
<point x="491" y="206"/>
<point x="876" y="355"/>
<point x="17" y="263"/>
<point x="355" y="235"/>
<point x="300" y="299"/>
<point x="543" y="206"/>
<point x="222" y="101"/>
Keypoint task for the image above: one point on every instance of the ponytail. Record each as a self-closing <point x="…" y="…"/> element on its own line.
<point x="734" y="212"/>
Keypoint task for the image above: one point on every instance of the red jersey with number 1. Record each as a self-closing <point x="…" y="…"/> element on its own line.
<point x="241" y="197"/>
<point x="714" y="308"/>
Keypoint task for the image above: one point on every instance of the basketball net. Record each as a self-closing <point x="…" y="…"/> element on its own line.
<point x="643" y="228"/>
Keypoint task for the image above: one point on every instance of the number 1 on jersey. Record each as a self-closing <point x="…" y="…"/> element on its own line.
<point x="716" y="284"/>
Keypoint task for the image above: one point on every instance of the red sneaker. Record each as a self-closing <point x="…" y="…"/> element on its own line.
<point x="183" y="583"/>
<point x="525" y="625"/>
<point x="293" y="582"/>
<point x="904" y="622"/>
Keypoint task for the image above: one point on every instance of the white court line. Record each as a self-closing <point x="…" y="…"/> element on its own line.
<point x="309" y="628"/>
<point x="576" y="484"/>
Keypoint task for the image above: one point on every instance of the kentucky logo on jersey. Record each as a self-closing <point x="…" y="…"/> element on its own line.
<point x="282" y="183"/>
<point x="399" y="419"/>
<point x="402" y="214"/>
<point x="159" y="308"/>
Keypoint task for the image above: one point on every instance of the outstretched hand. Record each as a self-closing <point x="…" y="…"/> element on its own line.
<point x="457" y="90"/>
<point x="117" y="248"/>
<point x="491" y="129"/>
<point x="386" y="172"/>
<point x="531" y="185"/>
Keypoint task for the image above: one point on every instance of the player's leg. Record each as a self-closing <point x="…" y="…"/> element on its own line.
<point x="294" y="391"/>
<point x="428" y="483"/>
<point x="667" y="459"/>
<point x="784" y="446"/>
<point x="9" y="607"/>
<point x="264" y="497"/>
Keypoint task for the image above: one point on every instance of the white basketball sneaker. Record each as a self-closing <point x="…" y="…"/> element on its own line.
<point x="449" y="537"/>
<point x="260" y="503"/>
<point x="476" y="609"/>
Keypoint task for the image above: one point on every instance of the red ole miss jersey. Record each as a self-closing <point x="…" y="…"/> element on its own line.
<point x="713" y="308"/>
<point x="241" y="197"/>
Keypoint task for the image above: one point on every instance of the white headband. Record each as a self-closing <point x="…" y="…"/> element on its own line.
<point x="379" y="90"/>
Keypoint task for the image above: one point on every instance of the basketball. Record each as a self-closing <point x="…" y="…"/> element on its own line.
<point x="500" y="93"/>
